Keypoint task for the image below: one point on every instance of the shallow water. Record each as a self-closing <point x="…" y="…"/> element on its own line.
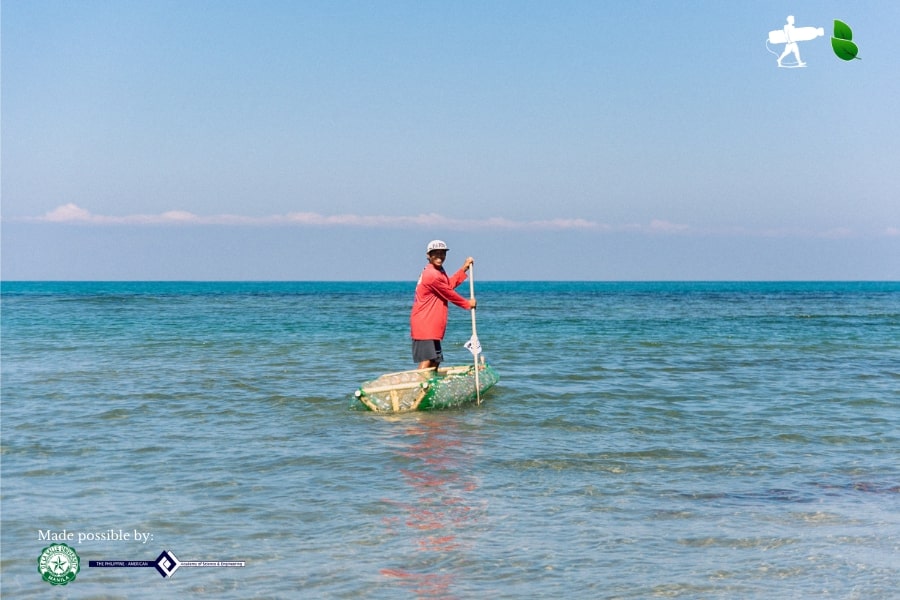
<point x="713" y="440"/>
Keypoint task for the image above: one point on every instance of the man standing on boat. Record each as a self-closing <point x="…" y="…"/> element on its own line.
<point x="428" y="320"/>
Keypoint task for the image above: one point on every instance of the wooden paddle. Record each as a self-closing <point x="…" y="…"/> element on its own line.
<point x="474" y="345"/>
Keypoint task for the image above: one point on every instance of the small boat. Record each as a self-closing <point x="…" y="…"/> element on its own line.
<point x="424" y="389"/>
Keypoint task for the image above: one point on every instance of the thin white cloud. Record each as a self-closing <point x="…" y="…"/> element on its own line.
<point x="660" y="226"/>
<point x="66" y="213"/>
<point x="72" y="213"/>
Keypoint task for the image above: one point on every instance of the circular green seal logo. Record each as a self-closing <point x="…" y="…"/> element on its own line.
<point x="58" y="564"/>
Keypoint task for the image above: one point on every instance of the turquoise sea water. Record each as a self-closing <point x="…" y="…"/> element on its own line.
<point x="687" y="440"/>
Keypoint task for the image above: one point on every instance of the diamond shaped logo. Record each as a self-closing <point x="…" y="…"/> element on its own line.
<point x="167" y="564"/>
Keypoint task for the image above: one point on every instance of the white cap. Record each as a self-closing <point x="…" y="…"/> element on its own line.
<point x="436" y="245"/>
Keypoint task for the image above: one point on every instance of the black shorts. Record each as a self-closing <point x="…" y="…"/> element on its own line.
<point x="423" y="350"/>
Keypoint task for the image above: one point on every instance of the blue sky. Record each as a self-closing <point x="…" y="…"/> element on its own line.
<point x="551" y="140"/>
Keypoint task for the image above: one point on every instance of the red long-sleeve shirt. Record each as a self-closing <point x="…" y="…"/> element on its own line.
<point x="428" y="319"/>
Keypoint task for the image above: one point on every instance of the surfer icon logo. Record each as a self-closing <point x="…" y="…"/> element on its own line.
<point x="58" y="564"/>
<point x="789" y="36"/>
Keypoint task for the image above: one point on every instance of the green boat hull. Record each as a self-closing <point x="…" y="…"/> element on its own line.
<point x="424" y="389"/>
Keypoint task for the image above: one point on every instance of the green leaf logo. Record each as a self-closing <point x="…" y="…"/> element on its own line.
<point x="841" y="44"/>
<point x="842" y="31"/>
